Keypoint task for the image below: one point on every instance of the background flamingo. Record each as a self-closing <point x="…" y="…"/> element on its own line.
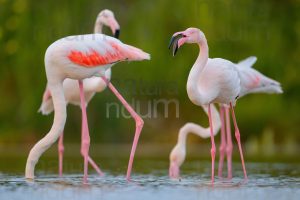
<point x="90" y="85"/>
<point x="252" y="82"/>
<point x="79" y="57"/>
<point x="210" y="81"/>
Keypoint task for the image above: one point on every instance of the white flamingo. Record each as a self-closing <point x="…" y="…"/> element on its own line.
<point x="90" y="85"/>
<point x="251" y="82"/>
<point x="79" y="57"/>
<point x="211" y="81"/>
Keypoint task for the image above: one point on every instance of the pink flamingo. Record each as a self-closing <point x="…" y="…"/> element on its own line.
<point x="79" y="57"/>
<point x="252" y="81"/>
<point x="211" y="81"/>
<point x="90" y="85"/>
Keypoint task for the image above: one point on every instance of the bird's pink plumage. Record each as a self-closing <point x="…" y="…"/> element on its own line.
<point x="255" y="82"/>
<point x="93" y="58"/>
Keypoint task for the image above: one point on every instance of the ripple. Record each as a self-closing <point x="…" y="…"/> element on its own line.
<point x="260" y="185"/>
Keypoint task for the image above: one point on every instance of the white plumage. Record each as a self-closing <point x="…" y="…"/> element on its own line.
<point x="80" y="57"/>
<point x="215" y="81"/>
<point x="251" y="81"/>
<point x="90" y="85"/>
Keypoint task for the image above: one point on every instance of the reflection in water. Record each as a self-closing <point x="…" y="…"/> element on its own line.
<point x="266" y="181"/>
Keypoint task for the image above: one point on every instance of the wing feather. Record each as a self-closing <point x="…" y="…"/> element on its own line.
<point x="248" y="62"/>
<point x="94" y="51"/>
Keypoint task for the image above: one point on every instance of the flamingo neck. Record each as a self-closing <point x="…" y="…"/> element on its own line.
<point x="193" y="79"/>
<point x="194" y="129"/>
<point x="98" y="27"/>
<point x="59" y="103"/>
<point x="182" y="136"/>
<point x="57" y="128"/>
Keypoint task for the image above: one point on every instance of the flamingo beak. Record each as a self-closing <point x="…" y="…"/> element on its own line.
<point x="177" y="40"/>
<point x="117" y="33"/>
<point x="115" y="27"/>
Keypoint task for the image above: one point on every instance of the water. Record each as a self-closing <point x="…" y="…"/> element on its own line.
<point x="266" y="181"/>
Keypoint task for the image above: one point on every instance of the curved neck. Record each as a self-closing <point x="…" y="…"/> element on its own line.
<point x="98" y="27"/>
<point x="192" y="84"/>
<point x="194" y="129"/>
<point x="199" y="130"/>
<point x="59" y="103"/>
<point x="57" y="128"/>
<point x="60" y="114"/>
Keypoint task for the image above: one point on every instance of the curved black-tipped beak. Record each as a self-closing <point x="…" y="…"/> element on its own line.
<point x="117" y="33"/>
<point x="174" y="42"/>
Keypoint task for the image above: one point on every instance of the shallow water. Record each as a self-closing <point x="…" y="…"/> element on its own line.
<point x="266" y="181"/>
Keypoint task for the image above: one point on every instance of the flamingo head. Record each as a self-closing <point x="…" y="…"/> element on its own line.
<point x="190" y="35"/>
<point x="177" y="157"/>
<point x="107" y="18"/>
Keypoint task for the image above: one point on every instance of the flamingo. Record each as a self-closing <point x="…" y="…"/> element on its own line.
<point x="79" y="57"/>
<point x="91" y="85"/>
<point x="211" y="81"/>
<point x="252" y="81"/>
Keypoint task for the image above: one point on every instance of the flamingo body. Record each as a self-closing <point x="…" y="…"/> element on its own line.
<point x="251" y="81"/>
<point x="90" y="85"/>
<point x="60" y="55"/>
<point x="219" y="82"/>
<point x="60" y="66"/>
<point x="210" y="81"/>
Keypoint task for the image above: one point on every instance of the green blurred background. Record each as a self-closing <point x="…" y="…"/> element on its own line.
<point x="235" y="29"/>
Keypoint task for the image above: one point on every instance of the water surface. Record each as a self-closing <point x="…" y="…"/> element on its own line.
<point x="266" y="181"/>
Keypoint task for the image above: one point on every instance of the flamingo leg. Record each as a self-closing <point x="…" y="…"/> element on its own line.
<point x="229" y="144"/>
<point x="138" y="122"/>
<point x="223" y="142"/>
<point x="238" y="138"/>
<point x="95" y="166"/>
<point x="213" y="148"/>
<point x="90" y="160"/>
<point x="85" y="137"/>
<point x="60" y="154"/>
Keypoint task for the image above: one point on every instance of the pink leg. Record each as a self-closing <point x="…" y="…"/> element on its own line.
<point x="229" y="143"/>
<point x="213" y="148"/>
<point x="85" y="137"/>
<point x="138" y="122"/>
<point x="223" y="142"/>
<point x="95" y="166"/>
<point x="91" y="161"/>
<point x="60" y="154"/>
<point x="238" y="138"/>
